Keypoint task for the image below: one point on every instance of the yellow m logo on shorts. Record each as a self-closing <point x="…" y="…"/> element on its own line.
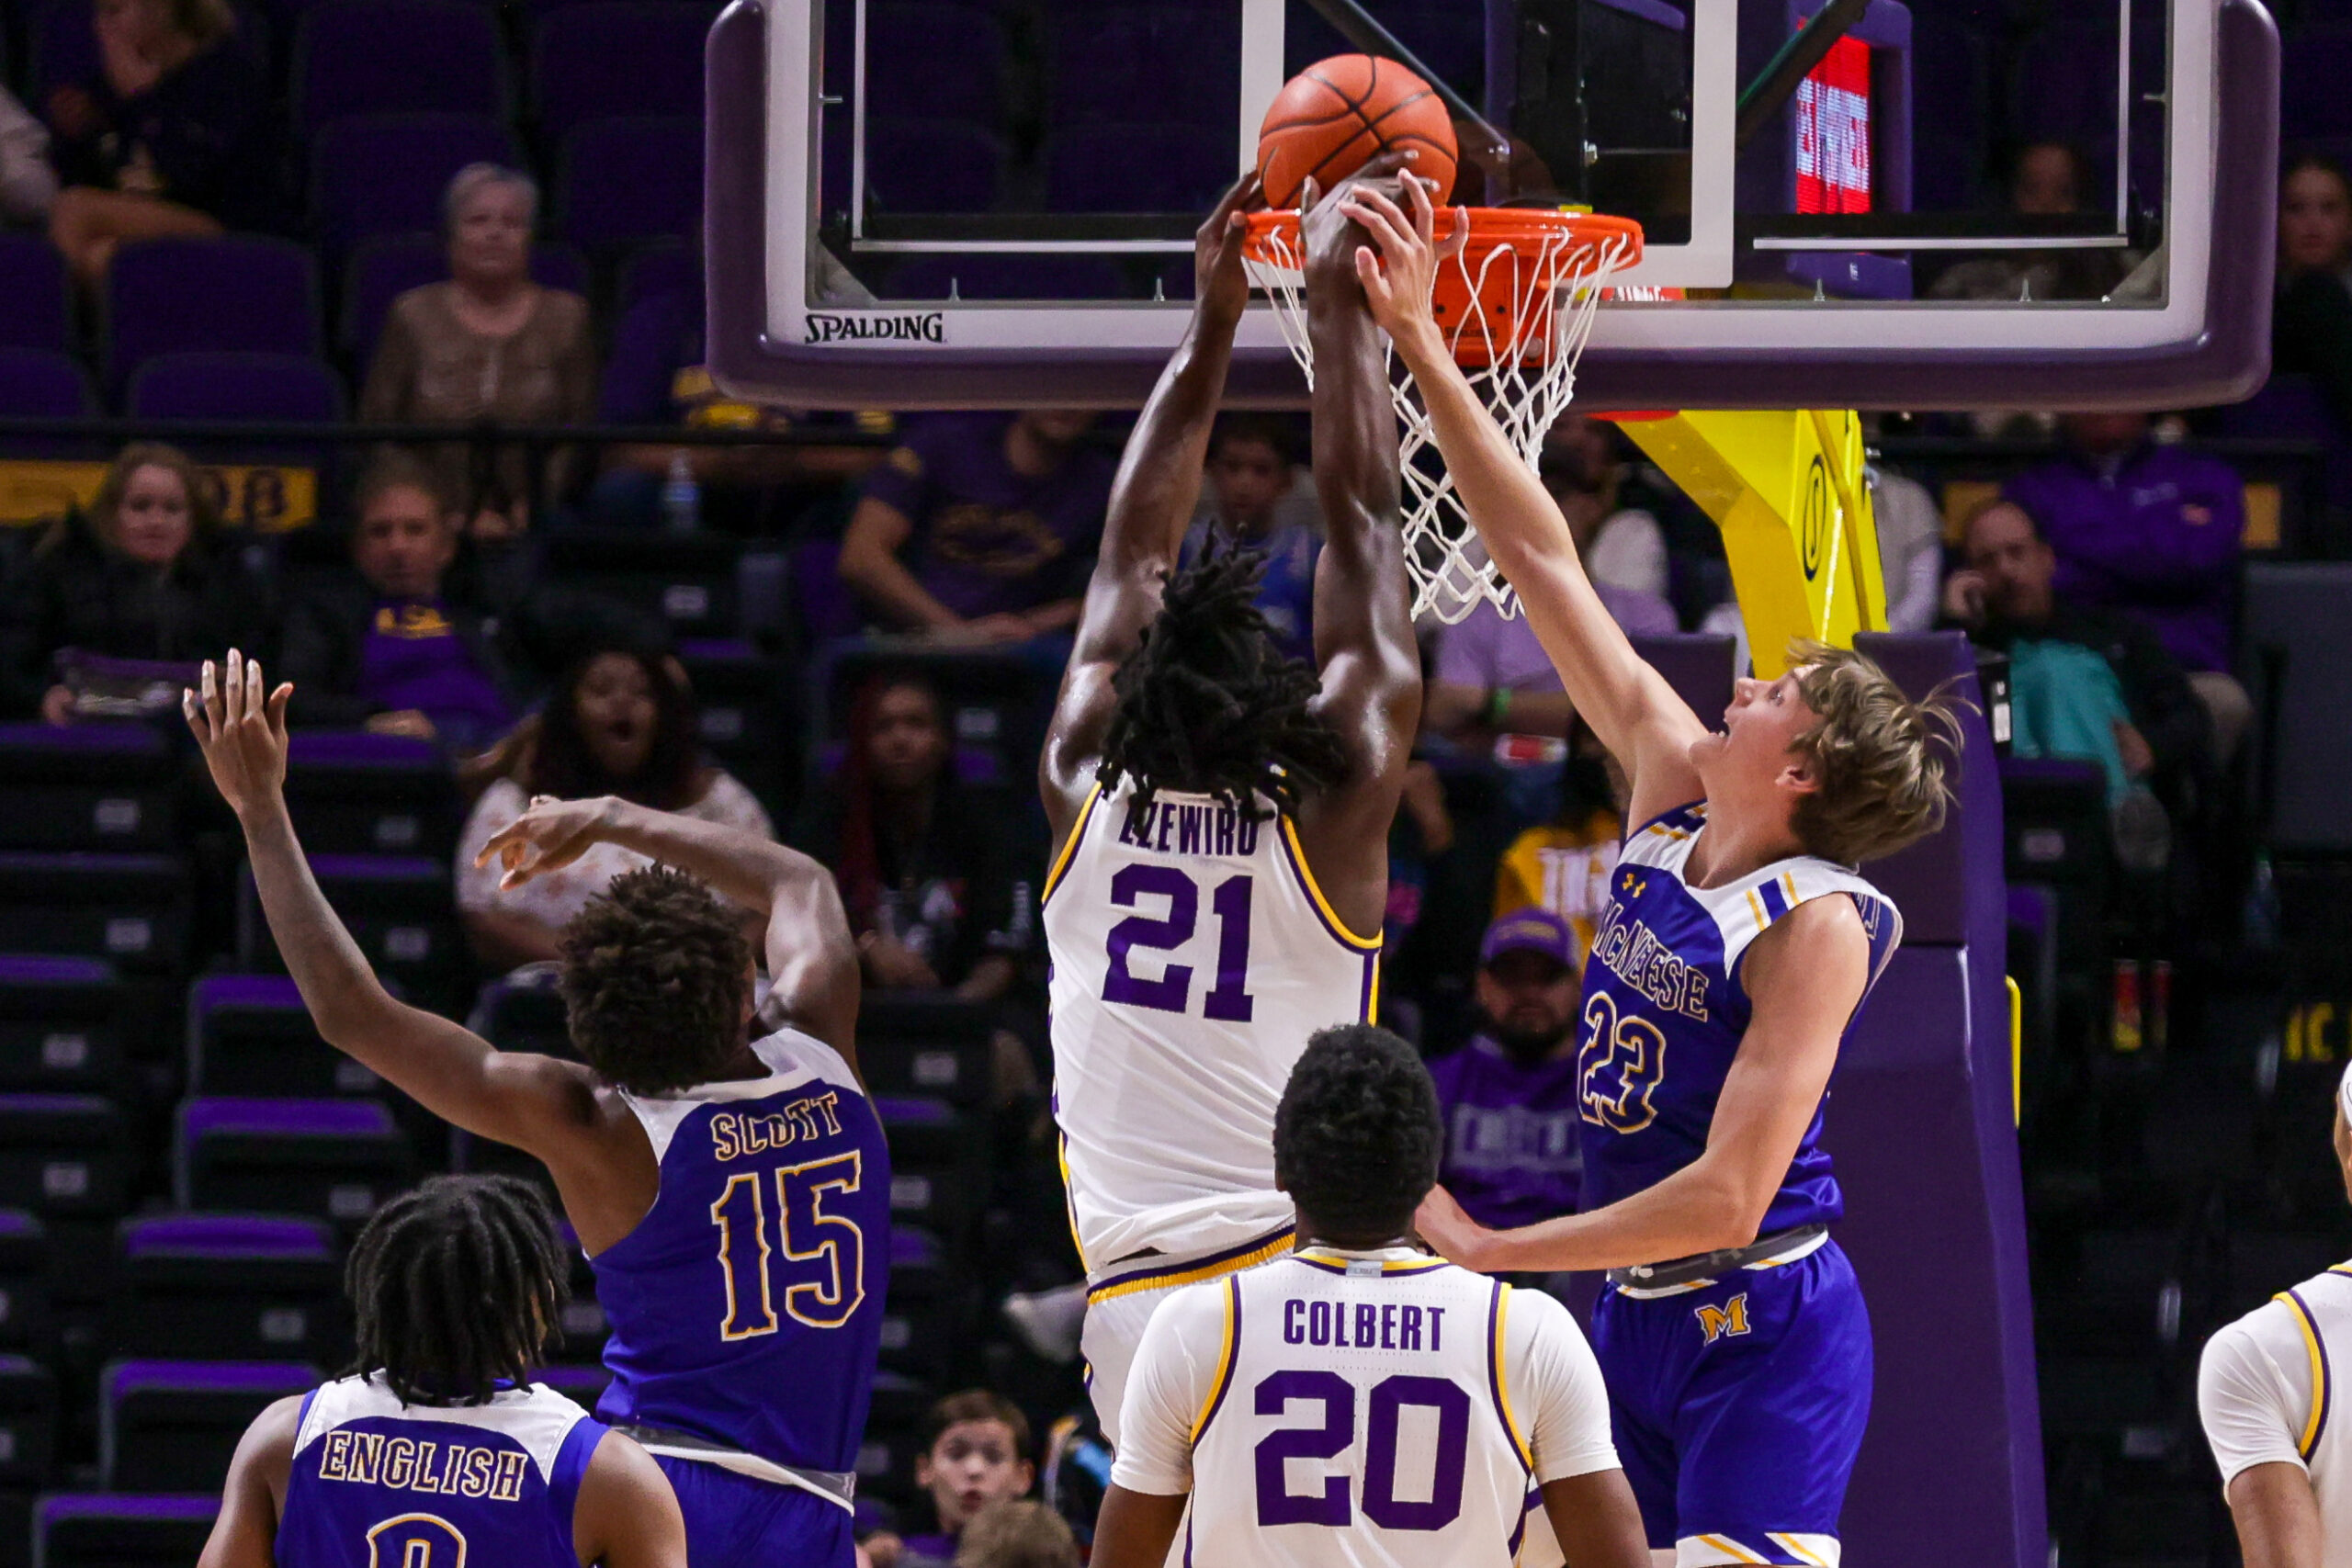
<point x="1728" y="1320"/>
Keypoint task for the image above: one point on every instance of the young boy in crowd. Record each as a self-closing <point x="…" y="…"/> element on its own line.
<point x="975" y="1452"/>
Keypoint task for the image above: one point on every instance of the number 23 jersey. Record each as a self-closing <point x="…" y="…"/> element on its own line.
<point x="1192" y="955"/>
<point x="1360" y="1408"/>
<point x="1664" y="1012"/>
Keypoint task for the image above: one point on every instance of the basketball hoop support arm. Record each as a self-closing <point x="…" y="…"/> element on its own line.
<point x="1789" y="491"/>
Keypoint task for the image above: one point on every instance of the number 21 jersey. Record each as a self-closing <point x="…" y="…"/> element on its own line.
<point x="1192" y="955"/>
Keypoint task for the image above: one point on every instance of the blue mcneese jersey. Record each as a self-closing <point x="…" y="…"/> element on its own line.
<point x="379" y="1484"/>
<point x="746" y="1307"/>
<point x="1664" y="1012"/>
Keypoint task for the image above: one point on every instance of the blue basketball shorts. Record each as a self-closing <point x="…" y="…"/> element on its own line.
<point x="1738" y="1409"/>
<point x="736" y="1521"/>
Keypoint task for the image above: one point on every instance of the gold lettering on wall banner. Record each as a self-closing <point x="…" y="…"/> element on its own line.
<point x="2317" y="1033"/>
<point x="269" y="498"/>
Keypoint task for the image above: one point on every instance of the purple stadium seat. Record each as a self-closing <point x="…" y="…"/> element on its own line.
<point x="584" y="1385"/>
<point x="171" y="1426"/>
<point x="375" y="174"/>
<point x="112" y="1529"/>
<point x="39" y="383"/>
<point x="354" y="794"/>
<point x="1137" y="168"/>
<point x="400" y="911"/>
<point x="250" y="1034"/>
<point x="328" y="1158"/>
<point x="931" y="165"/>
<point x="937" y="62"/>
<point x="61" y="1025"/>
<point x="226" y="1287"/>
<point x="130" y="909"/>
<point x="238" y="291"/>
<point x="996" y="276"/>
<point x="614" y="57"/>
<point x="25" y="1262"/>
<point x="1163" y="63"/>
<point x="34" y="310"/>
<point x="366" y="57"/>
<point x="663" y="268"/>
<point x="2291" y="408"/>
<point x="63" y="1155"/>
<point x="90" y="786"/>
<point x="236" y="385"/>
<point x="631" y="179"/>
<point x="379" y="270"/>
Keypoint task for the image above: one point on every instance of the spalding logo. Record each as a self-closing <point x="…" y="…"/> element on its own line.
<point x="922" y="326"/>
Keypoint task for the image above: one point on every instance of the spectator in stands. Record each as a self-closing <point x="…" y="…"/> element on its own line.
<point x="1563" y="865"/>
<point x="2084" y="681"/>
<point x="621" y="723"/>
<point x="1910" y="547"/>
<point x="656" y="374"/>
<point x="2155" y="531"/>
<point x="489" y="344"/>
<point x="381" y="645"/>
<point x="171" y="138"/>
<point x="1510" y="1098"/>
<point x="922" y="869"/>
<point x="2310" y="320"/>
<point x="975" y="1453"/>
<point x="145" y="574"/>
<point x="28" y="183"/>
<point x="1622" y="546"/>
<point x="981" y="529"/>
<point x="1258" y="498"/>
<point x="2050" y="179"/>
<point x="1017" y="1535"/>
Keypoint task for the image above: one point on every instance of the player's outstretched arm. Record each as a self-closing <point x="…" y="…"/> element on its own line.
<point x="1151" y="505"/>
<point x="627" y="1515"/>
<point x="811" y="957"/>
<point x="244" y="1535"/>
<point x="1805" y="978"/>
<point x="1637" y="714"/>
<point x="535" y="1104"/>
<point x="1364" y="627"/>
<point x="1135" y="1530"/>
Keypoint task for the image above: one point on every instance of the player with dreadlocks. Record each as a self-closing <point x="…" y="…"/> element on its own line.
<point x="720" y="1163"/>
<point x="1220" y="813"/>
<point x="436" y="1446"/>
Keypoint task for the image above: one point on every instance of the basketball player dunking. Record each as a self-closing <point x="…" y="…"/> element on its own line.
<point x="1221" y="815"/>
<point x="731" y="1186"/>
<point x="1735" y="950"/>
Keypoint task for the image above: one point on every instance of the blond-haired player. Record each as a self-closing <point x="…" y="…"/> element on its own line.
<point x="1729" y="964"/>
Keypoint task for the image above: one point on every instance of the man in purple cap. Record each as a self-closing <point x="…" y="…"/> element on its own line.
<point x="1509" y="1096"/>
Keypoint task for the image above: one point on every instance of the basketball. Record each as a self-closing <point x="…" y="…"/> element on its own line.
<point x="1333" y="117"/>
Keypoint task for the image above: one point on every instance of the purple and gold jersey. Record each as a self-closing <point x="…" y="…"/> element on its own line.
<point x="379" y="1484"/>
<point x="746" y="1307"/>
<point x="1664" y="1012"/>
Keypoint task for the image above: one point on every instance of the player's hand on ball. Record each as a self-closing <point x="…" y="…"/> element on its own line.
<point x="550" y="836"/>
<point x="1219" y="283"/>
<point x="240" y="730"/>
<point x="1400" y="265"/>
<point x="1442" y="1223"/>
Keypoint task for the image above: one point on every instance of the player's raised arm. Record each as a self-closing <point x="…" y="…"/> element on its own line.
<point x="1151" y="505"/>
<point x="1637" y="716"/>
<point x="811" y="957"/>
<point x="244" y="1534"/>
<point x="537" y="1103"/>
<point x="1364" y="626"/>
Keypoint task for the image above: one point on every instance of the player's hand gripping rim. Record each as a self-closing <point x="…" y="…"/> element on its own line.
<point x="548" y="837"/>
<point x="1397" y="278"/>
<point x="1219" y="281"/>
<point x="239" y="726"/>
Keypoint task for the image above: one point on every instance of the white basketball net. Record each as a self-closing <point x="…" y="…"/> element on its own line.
<point x="1526" y="385"/>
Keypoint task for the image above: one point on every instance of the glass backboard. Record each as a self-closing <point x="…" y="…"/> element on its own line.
<point x="1861" y="203"/>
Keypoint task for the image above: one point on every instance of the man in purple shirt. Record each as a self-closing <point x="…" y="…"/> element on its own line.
<point x="981" y="529"/>
<point x="2153" y="531"/>
<point x="1509" y="1096"/>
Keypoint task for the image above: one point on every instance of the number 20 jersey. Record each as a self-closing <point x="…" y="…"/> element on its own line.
<point x="1664" y="1012"/>
<point x="1192" y="955"/>
<point x="746" y="1307"/>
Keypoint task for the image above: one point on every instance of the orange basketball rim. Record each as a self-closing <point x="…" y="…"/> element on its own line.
<point x="1494" y="297"/>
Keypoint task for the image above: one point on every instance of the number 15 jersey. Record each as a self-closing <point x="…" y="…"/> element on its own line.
<point x="1360" y="1408"/>
<point x="1192" y="955"/>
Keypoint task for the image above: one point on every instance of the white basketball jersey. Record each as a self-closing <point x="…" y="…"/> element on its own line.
<point x="1192" y="956"/>
<point x="1363" y="1418"/>
<point x="2266" y="1391"/>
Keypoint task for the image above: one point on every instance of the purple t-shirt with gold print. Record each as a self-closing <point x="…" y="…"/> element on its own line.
<point x="988" y="540"/>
